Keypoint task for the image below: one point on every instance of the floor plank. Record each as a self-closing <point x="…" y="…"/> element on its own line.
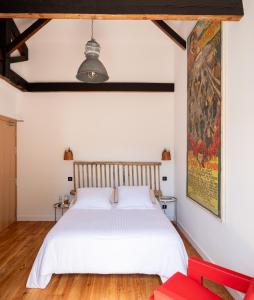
<point x="19" y="244"/>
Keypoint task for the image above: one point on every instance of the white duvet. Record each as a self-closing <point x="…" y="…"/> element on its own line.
<point x="115" y="241"/>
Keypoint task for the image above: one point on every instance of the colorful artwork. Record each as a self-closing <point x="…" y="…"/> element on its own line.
<point x="204" y="116"/>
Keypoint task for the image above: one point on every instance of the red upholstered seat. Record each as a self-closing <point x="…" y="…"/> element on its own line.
<point x="190" y="287"/>
<point x="183" y="287"/>
<point x="250" y="292"/>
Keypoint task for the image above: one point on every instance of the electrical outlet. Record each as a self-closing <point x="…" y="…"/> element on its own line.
<point x="164" y="178"/>
<point x="69" y="178"/>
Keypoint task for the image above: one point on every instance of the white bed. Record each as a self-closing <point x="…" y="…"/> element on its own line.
<point x="112" y="240"/>
<point x="116" y="241"/>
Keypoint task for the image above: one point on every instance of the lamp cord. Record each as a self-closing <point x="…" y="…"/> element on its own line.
<point x="92" y="28"/>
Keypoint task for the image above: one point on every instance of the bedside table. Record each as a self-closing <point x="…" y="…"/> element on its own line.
<point x="62" y="206"/>
<point x="165" y="201"/>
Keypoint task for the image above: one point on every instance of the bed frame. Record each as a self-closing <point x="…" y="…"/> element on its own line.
<point x="114" y="174"/>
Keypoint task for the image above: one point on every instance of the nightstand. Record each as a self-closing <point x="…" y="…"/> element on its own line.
<point x="165" y="202"/>
<point x="62" y="206"/>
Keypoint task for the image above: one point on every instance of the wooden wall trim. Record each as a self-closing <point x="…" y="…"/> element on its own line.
<point x="144" y="17"/>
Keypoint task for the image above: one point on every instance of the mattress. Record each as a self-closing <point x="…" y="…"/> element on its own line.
<point x="114" y="241"/>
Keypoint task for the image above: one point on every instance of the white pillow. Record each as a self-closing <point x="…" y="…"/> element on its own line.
<point x="152" y="196"/>
<point x="94" y="198"/>
<point x="134" y="197"/>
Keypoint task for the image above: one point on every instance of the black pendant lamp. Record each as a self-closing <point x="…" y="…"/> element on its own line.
<point x="92" y="69"/>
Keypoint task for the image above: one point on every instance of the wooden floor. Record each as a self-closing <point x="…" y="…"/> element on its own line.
<point x="19" y="245"/>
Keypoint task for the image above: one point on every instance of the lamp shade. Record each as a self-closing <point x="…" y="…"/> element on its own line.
<point x="166" y="155"/>
<point x="92" y="69"/>
<point x="68" y="155"/>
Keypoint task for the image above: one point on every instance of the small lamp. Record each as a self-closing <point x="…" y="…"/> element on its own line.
<point x="166" y="155"/>
<point x="68" y="155"/>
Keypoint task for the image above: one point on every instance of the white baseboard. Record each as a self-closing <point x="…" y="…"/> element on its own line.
<point x="195" y="245"/>
<point x="236" y="295"/>
<point x="35" y="218"/>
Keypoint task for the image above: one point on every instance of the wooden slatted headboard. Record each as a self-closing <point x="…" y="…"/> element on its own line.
<point x="113" y="174"/>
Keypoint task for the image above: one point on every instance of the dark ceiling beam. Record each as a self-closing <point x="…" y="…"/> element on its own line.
<point x="5" y="38"/>
<point x="17" y="59"/>
<point x="27" y="34"/>
<point x="3" y="41"/>
<point x="100" y="87"/>
<point x="127" y="9"/>
<point x="164" y="27"/>
<point x="16" y="80"/>
<point x="6" y="34"/>
<point x="15" y="33"/>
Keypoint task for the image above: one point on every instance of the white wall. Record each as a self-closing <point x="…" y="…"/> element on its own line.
<point x="97" y="126"/>
<point x="229" y="243"/>
<point x="8" y="96"/>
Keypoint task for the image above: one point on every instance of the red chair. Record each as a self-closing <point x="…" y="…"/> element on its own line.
<point x="190" y="287"/>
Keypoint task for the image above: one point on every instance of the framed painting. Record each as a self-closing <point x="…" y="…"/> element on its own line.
<point x="204" y="47"/>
